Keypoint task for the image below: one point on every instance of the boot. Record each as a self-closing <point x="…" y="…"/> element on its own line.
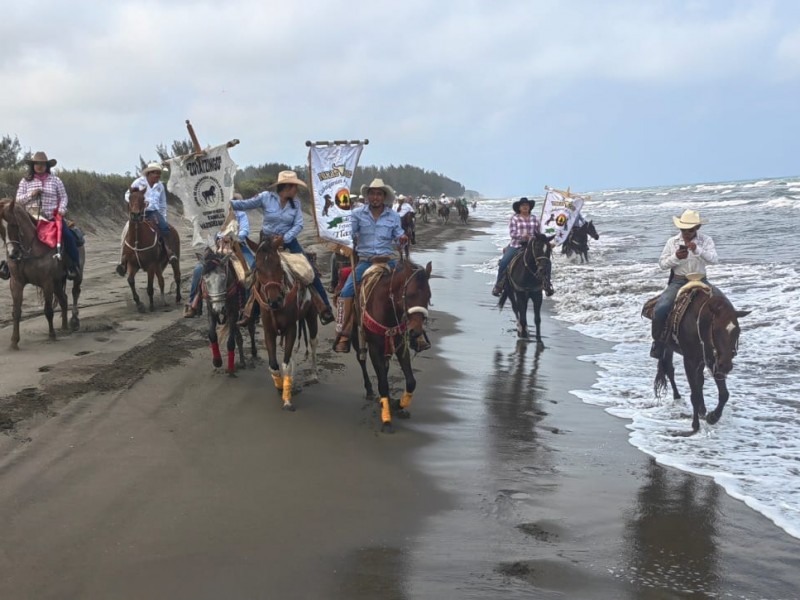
<point x="323" y="310"/>
<point x="171" y="258"/>
<point x="344" y="325"/>
<point x="247" y="310"/>
<point x="657" y="349"/>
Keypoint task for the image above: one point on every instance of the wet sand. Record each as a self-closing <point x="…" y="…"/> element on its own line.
<point x="130" y="469"/>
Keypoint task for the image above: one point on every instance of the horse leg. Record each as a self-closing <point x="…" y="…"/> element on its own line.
<point x="75" y="322"/>
<point x="49" y="312"/>
<point x="251" y="329"/>
<point x="132" y="269"/>
<point x="216" y="357"/>
<point x="379" y="363"/>
<point x="287" y="367"/>
<point x="60" y="293"/>
<point x="176" y="273"/>
<point x="537" y="317"/>
<point x="521" y="310"/>
<point x="403" y="355"/>
<point x="694" y="373"/>
<point x="231" y="347"/>
<point x="722" y="389"/>
<point x="270" y="343"/>
<point x="313" y="331"/>
<point x="160" y="276"/>
<point x="362" y="362"/>
<point x="669" y="371"/>
<point x="16" y="311"/>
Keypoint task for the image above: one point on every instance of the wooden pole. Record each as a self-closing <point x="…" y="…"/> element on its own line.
<point x="197" y="148"/>
<point x="309" y="143"/>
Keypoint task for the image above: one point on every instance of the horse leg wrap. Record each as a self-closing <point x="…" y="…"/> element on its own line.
<point x="386" y="413"/>
<point x="215" y="355"/>
<point x="277" y="379"/>
<point x="231" y="361"/>
<point x="405" y="401"/>
<point x="287" y="389"/>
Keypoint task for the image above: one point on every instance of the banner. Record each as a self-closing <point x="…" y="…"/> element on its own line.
<point x="559" y="212"/>
<point x="331" y="168"/>
<point x="204" y="183"/>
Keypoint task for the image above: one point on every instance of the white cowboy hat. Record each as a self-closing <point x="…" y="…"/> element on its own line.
<point x="153" y="167"/>
<point x="688" y="220"/>
<point x="41" y="157"/>
<point x="288" y="177"/>
<point x="378" y="184"/>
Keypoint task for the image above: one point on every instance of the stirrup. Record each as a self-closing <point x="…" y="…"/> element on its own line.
<point x="326" y="316"/>
<point x="5" y="271"/>
<point x="497" y="291"/>
<point x="342" y="344"/>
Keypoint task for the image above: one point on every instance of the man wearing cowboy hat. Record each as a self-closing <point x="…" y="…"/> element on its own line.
<point x="155" y="196"/>
<point x="686" y="252"/>
<point x="43" y="195"/>
<point x="522" y="227"/>
<point x="283" y="217"/>
<point x="375" y="228"/>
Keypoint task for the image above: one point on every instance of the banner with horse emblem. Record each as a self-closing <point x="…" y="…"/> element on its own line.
<point x="331" y="167"/>
<point x="204" y="183"/>
<point x="559" y="212"/>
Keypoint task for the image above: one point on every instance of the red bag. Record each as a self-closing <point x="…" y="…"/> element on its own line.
<point x="47" y="232"/>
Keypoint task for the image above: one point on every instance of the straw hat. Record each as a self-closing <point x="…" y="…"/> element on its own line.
<point x="153" y="167"/>
<point x="523" y="200"/>
<point x="41" y="157"/>
<point x="288" y="177"/>
<point x="378" y="184"/>
<point x="688" y="220"/>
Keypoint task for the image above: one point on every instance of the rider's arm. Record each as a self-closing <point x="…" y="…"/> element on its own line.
<point x="23" y="193"/>
<point x="706" y="249"/>
<point x="61" y="195"/>
<point x="254" y="202"/>
<point x="515" y="231"/>
<point x="244" y="224"/>
<point x="162" y="201"/>
<point x="668" y="260"/>
<point x="297" y="224"/>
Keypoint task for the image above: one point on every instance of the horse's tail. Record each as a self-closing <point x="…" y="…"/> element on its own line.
<point x="503" y="297"/>
<point x="660" y="381"/>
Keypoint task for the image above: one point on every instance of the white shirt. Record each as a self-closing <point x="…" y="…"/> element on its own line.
<point x="155" y="197"/>
<point x="403" y="209"/>
<point x="705" y="254"/>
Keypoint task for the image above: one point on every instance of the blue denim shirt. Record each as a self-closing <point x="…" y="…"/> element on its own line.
<point x="375" y="237"/>
<point x="286" y="221"/>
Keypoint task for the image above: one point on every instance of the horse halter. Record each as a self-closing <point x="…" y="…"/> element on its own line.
<point x="407" y="312"/>
<point x="262" y="288"/>
<point x="541" y="262"/>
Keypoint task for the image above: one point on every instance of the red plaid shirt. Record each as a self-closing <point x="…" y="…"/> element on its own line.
<point x="519" y="228"/>
<point x="53" y="195"/>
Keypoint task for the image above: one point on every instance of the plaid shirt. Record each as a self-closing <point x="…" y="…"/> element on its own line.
<point x="519" y="228"/>
<point x="53" y="195"/>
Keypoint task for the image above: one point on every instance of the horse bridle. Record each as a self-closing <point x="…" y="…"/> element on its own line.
<point x="540" y="272"/>
<point x="261" y="288"/>
<point x="712" y="342"/>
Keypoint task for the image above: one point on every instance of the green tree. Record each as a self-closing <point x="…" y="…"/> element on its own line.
<point x="11" y="156"/>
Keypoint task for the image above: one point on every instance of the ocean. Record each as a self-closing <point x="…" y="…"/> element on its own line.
<point x="754" y="451"/>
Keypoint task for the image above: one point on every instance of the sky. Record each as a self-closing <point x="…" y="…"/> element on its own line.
<point x="503" y="96"/>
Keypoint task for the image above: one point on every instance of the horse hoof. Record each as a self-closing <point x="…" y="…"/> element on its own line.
<point x="712" y="418"/>
<point x="217" y="362"/>
<point x="232" y="374"/>
<point x="74" y="324"/>
<point x="140" y="308"/>
<point x="540" y="345"/>
<point x="387" y="427"/>
<point x="402" y="413"/>
<point x="288" y="407"/>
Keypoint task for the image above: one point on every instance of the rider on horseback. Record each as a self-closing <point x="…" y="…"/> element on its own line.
<point x="684" y="253"/>
<point x="155" y="196"/>
<point x="375" y="228"/>
<point x="43" y="195"/>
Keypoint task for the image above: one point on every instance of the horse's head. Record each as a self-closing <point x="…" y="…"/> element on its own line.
<point x="590" y="229"/>
<point x="724" y="336"/>
<point x="270" y="271"/>
<point x="410" y="283"/>
<point x="20" y="230"/>
<point x="136" y="204"/>
<point x="216" y="281"/>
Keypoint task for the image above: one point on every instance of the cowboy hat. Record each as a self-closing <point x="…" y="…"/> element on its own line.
<point x="379" y="185"/>
<point x="152" y="167"/>
<point x="41" y="157"/>
<point x="688" y="220"/>
<point x="523" y="200"/>
<point x="288" y="177"/>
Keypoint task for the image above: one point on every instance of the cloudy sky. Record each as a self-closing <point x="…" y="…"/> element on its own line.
<point x="505" y="96"/>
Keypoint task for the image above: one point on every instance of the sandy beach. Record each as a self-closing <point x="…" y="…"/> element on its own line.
<point x="129" y="468"/>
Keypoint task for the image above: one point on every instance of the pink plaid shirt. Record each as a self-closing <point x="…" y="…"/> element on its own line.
<point x="53" y="195"/>
<point x="519" y="228"/>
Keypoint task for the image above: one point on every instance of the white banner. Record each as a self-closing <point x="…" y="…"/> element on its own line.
<point x="331" y="168"/>
<point x="559" y="211"/>
<point x="204" y="183"/>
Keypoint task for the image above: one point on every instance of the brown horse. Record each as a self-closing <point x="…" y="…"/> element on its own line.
<point x="463" y="213"/>
<point x="142" y="250"/>
<point x="407" y="223"/>
<point x="224" y="297"/>
<point x="394" y="307"/>
<point x="527" y="275"/>
<point x="285" y="304"/>
<point x="31" y="261"/>
<point x="704" y="328"/>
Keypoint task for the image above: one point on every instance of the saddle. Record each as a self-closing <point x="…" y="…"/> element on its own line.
<point x="685" y="296"/>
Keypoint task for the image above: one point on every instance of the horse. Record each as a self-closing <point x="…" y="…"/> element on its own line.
<point x="32" y="261"/>
<point x="578" y="240"/>
<point x="285" y="304"/>
<point x="463" y="213"/>
<point x="393" y="308"/>
<point x="444" y="213"/>
<point x="424" y="210"/>
<point x="704" y="327"/>
<point x="525" y="277"/>
<point x="224" y="298"/>
<point x="407" y="223"/>
<point x="142" y="250"/>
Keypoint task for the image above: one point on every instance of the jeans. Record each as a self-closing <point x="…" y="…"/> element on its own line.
<point x="162" y="222"/>
<point x="295" y="248"/>
<point x="665" y="302"/>
<point x="248" y="255"/>
<point x="349" y="289"/>
<point x="197" y="274"/>
<point x="70" y="245"/>
<point x="509" y="253"/>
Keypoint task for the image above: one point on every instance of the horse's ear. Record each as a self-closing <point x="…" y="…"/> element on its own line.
<point x="428" y="268"/>
<point x="742" y="313"/>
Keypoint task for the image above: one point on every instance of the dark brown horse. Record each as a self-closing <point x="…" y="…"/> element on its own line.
<point x="142" y="250"/>
<point x="444" y="213"/>
<point x="31" y="261"/>
<point x="407" y="223"/>
<point x="285" y="303"/>
<point x="463" y="213"/>
<point x="526" y="276"/>
<point x="394" y="307"/>
<point x="224" y="297"/>
<point x="578" y="241"/>
<point x="704" y="328"/>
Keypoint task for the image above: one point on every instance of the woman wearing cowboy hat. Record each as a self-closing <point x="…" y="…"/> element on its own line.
<point x="522" y="227"/>
<point x="43" y="195"/>
<point x="155" y="196"/>
<point x="686" y="252"/>
<point x="283" y="217"/>
<point x="375" y="228"/>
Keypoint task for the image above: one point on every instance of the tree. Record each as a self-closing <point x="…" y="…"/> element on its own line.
<point x="179" y="148"/>
<point x="10" y="153"/>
